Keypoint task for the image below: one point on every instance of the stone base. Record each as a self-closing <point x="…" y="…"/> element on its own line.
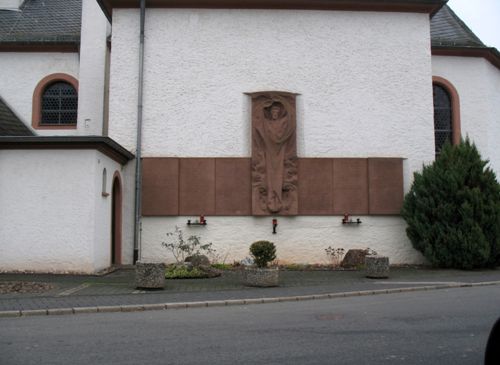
<point x="377" y="267"/>
<point x="149" y="275"/>
<point x="354" y="259"/>
<point x="262" y="277"/>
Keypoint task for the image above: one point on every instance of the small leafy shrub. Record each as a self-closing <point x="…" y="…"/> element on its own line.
<point x="220" y="266"/>
<point x="182" y="272"/>
<point x="453" y="210"/>
<point x="334" y="255"/>
<point x="181" y="248"/>
<point x="263" y="252"/>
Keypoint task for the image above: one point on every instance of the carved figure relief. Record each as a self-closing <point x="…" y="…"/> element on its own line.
<point x="274" y="154"/>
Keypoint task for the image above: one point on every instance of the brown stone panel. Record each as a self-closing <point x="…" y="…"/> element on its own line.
<point x="385" y="177"/>
<point x="197" y="186"/>
<point x="350" y="186"/>
<point x="160" y="186"/>
<point x="233" y="186"/>
<point x="315" y="186"/>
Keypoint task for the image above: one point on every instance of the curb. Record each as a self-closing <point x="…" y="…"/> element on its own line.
<point x="230" y="302"/>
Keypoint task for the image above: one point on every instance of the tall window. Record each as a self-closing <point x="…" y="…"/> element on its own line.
<point x="442" y="118"/>
<point x="59" y="104"/>
<point x="446" y="114"/>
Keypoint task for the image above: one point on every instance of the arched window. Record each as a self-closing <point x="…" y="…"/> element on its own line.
<point x="55" y="102"/>
<point x="446" y="114"/>
<point x="59" y="104"/>
<point x="442" y="118"/>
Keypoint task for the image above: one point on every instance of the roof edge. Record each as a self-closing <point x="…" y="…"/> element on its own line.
<point x="104" y="145"/>
<point x="413" y="6"/>
<point x="489" y="53"/>
<point x="34" y="46"/>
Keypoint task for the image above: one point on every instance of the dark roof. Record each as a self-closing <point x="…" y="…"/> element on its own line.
<point x="418" y="6"/>
<point x="10" y="124"/>
<point x="103" y="144"/>
<point x="447" y="29"/>
<point x="42" y="21"/>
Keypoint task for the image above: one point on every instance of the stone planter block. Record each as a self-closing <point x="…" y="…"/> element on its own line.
<point x="377" y="267"/>
<point x="262" y="277"/>
<point x="149" y="275"/>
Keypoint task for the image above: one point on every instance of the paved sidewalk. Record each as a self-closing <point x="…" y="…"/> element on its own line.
<point x="116" y="290"/>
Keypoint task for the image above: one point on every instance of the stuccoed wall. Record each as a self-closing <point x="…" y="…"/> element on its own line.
<point x="364" y="80"/>
<point x="93" y="46"/>
<point x="299" y="239"/>
<point x="478" y="85"/>
<point x="50" y="202"/>
<point x="21" y="72"/>
<point x="102" y="210"/>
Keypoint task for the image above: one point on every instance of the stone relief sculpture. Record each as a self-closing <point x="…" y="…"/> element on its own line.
<point x="274" y="154"/>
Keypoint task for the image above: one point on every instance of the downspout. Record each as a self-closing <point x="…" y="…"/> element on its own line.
<point x="138" y="162"/>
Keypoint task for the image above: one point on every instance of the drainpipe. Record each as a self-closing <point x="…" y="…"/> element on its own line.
<point x="138" y="162"/>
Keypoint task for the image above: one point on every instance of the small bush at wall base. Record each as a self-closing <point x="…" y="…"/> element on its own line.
<point x="263" y="252"/>
<point x="453" y="210"/>
<point x="184" y="272"/>
<point x="220" y="266"/>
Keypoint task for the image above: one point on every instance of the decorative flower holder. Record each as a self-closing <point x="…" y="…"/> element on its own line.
<point x="377" y="267"/>
<point x="149" y="275"/>
<point x="261" y="277"/>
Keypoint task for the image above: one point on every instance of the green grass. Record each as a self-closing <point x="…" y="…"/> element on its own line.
<point x="184" y="273"/>
<point x="222" y="266"/>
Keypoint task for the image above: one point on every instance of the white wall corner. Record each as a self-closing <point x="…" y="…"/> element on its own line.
<point x="92" y="69"/>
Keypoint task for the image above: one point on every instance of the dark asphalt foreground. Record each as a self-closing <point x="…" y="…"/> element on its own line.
<point x="115" y="292"/>
<point x="440" y="327"/>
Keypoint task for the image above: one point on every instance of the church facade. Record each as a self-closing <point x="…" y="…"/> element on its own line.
<point x="306" y="118"/>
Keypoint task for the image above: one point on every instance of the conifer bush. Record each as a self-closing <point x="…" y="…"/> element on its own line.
<point x="453" y="210"/>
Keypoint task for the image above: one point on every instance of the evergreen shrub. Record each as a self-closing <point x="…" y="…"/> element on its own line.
<point x="453" y="210"/>
<point x="263" y="252"/>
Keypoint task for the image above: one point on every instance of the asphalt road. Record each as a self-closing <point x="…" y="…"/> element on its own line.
<point x="435" y="327"/>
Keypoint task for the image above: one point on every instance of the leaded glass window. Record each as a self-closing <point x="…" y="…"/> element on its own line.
<point x="59" y="104"/>
<point x="442" y="118"/>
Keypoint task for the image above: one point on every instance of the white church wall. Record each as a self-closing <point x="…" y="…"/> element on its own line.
<point x="49" y="211"/>
<point x="22" y="71"/>
<point x="477" y="83"/>
<point x="103" y="206"/>
<point x="128" y="212"/>
<point x="92" y="69"/>
<point x="363" y="80"/>
<point x="364" y="85"/>
<point x="298" y="239"/>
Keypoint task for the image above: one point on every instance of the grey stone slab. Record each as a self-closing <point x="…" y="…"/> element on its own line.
<point x="79" y="310"/>
<point x="176" y="305"/>
<point x="34" y="312"/>
<point x="109" y="309"/>
<point x="132" y="308"/>
<point x="8" y="314"/>
<point x="159" y="306"/>
<point x="59" y="311"/>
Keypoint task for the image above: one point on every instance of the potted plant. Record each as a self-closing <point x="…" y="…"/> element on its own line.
<point x="263" y="252"/>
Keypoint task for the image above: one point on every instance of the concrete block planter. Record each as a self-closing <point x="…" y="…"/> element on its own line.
<point x="377" y="267"/>
<point x="261" y="277"/>
<point x="149" y="275"/>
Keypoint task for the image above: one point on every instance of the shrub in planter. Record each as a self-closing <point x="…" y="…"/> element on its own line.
<point x="453" y="210"/>
<point x="263" y="252"/>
